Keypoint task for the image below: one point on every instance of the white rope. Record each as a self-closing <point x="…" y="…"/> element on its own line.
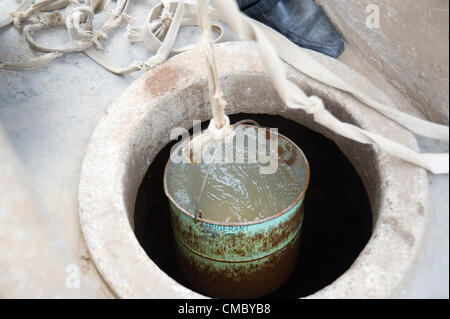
<point x="19" y="16"/>
<point x="31" y="64"/>
<point x="57" y="5"/>
<point x="219" y="128"/>
<point x="78" y="23"/>
<point x="163" y="49"/>
<point x="295" y="98"/>
<point x="216" y="95"/>
<point x="164" y="22"/>
<point x="157" y="24"/>
<point x="301" y="60"/>
<point x="9" y="19"/>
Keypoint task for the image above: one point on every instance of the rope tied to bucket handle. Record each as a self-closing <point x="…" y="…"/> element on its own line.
<point x="197" y="211"/>
<point x="220" y="121"/>
<point x="219" y="128"/>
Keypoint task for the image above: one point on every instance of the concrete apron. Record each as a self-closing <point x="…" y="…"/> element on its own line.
<point x="138" y="124"/>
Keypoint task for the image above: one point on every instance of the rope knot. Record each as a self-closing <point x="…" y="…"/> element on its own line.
<point x="224" y="134"/>
<point x="79" y="23"/>
<point x="98" y="36"/>
<point x="316" y="106"/>
<point x="166" y="17"/>
<point x="51" y="19"/>
<point x="162" y="24"/>
<point x="18" y="18"/>
<point x="318" y="111"/>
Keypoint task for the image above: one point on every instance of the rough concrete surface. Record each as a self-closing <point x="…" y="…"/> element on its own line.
<point x="410" y="46"/>
<point x="34" y="261"/>
<point x="49" y="114"/>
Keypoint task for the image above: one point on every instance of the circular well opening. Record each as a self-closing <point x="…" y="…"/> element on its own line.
<point x="336" y="227"/>
<point x="335" y="245"/>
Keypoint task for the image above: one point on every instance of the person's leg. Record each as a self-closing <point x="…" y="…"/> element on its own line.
<point x="256" y="6"/>
<point x="243" y="4"/>
<point x="301" y="21"/>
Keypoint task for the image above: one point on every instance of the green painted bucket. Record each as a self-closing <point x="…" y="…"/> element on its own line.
<point x="240" y="260"/>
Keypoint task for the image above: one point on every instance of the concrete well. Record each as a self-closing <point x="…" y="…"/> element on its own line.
<point x="138" y="125"/>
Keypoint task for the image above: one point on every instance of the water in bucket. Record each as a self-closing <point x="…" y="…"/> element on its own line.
<point x="237" y="190"/>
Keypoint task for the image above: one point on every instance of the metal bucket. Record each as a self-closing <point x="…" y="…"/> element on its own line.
<point x="241" y="260"/>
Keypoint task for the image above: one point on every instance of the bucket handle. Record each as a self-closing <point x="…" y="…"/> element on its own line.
<point x="197" y="212"/>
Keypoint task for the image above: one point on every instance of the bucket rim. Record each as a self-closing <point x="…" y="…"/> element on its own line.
<point x="277" y="215"/>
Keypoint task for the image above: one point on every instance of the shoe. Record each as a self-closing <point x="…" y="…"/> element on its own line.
<point x="304" y="23"/>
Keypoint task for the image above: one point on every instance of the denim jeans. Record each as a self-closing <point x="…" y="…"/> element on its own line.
<point x="256" y="6"/>
<point x="301" y="21"/>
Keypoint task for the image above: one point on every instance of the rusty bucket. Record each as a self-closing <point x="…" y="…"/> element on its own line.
<point x="240" y="260"/>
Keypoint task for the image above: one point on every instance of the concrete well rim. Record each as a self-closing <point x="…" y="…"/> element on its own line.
<point x="111" y="175"/>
